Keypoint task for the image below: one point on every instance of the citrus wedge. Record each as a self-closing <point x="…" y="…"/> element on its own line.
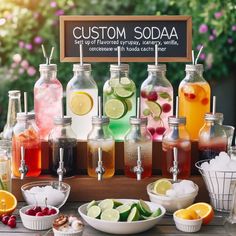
<point x="8" y="202"/>
<point x="110" y="215"/>
<point x="161" y="186"/>
<point x="115" y="108"/>
<point x="106" y="204"/>
<point x="155" y="108"/>
<point x="94" y="212"/>
<point x="134" y="215"/>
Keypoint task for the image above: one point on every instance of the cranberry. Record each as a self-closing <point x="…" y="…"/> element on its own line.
<point x="190" y="95"/>
<point x="37" y="209"/>
<point x="40" y="214"/>
<point x="160" y="130"/>
<point x="45" y="211"/>
<point x="151" y="130"/>
<point x="166" y="107"/>
<point x="5" y="219"/>
<point x="11" y="223"/>
<point x="204" y="101"/>
<point x="30" y="212"/>
<point x="13" y="217"/>
<point x="152" y="96"/>
<point x="52" y="212"/>
<point x="143" y="94"/>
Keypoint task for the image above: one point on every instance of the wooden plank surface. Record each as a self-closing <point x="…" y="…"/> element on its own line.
<point x="165" y="227"/>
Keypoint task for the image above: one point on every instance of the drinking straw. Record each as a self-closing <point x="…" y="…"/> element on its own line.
<point x="99" y="107"/>
<point x="118" y="50"/>
<point x="214" y="105"/>
<point x="81" y="54"/>
<point x="156" y="54"/>
<point x="193" y="57"/>
<point x="138" y="108"/>
<point x="198" y="55"/>
<point x="44" y="53"/>
<point x="50" y="57"/>
<point x="62" y="108"/>
<point x="25" y="102"/>
<point x="177" y="107"/>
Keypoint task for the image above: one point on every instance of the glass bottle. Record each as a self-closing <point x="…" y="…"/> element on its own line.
<point x="157" y="100"/>
<point x="82" y="100"/>
<point x="48" y="94"/>
<point x="5" y="170"/>
<point x="26" y="135"/>
<point x="14" y="106"/>
<point x="212" y="138"/>
<point x="138" y="136"/>
<point x="119" y="100"/>
<point x="194" y="99"/>
<point x="100" y="138"/>
<point x="176" y="136"/>
<point x="62" y="136"/>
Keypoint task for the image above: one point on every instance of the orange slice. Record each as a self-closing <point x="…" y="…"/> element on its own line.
<point x="187" y="214"/>
<point x="204" y="210"/>
<point x="8" y="202"/>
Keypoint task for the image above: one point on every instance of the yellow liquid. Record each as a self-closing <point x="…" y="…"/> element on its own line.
<point x="5" y="175"/>
<point x="194" y="102"/>
<point x="108" y="158"/>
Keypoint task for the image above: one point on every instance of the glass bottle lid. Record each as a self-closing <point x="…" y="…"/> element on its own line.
<point x="172" y="120"/>
<point x="191" y="67"/>
<point x="96" y="120"/>
<point x="83" y="67"/>
<point x="25" y="116"/>
<point x="214" y="117"/>
<point x="121" y="67"/>
<point x="133" y="120"/>
<point x="13" y="93"/>
<point x="62" y="120"/>
<point x="45" y="67"/>
<point x="159" y="67"/>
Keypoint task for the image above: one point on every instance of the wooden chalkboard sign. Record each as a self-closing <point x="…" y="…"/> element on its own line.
<point x="137" y="36"/>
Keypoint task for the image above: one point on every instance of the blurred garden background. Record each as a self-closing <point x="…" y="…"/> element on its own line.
<point x="26" y="24"/>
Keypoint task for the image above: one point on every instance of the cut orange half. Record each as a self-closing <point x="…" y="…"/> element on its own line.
<point x="204" y="210"/>
<point x="8" y="202"/>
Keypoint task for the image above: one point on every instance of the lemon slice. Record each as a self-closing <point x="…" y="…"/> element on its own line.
<point x="161" y="186"/>
<point x="155" y="108"/>
<point x="81" y="103"/>
<point x="115" y="108"/>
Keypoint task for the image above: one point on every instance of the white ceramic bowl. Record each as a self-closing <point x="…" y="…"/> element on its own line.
<point x="37" y="222"/>
<point x="172" y="204"/>
<point x="188" y="226"/>
<point x="123" y="227"/>
<point x="62" y="233"/>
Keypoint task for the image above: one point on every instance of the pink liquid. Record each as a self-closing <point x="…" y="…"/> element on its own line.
<point x="47" y="105"/>
<point x="157" y="122"/>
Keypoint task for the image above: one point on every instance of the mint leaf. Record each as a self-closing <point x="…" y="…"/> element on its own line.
<point x="165" y="95"/>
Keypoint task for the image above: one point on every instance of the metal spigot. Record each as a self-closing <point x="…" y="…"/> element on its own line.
<point x="23" y="169"/>
<point x="100" y="169"/>
<point x="61" y="170"/>
<point x="174" y="169"/>
<point x="139" y="169"/>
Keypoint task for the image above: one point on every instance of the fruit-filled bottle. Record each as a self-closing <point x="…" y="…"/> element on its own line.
<point x="81" y="100"/>
<point x="176" y="136"/>
<point x="157" y="100"/>
<point x="26" y="135"/>
<point x="138" y="136"/>
<point x="14" y="106"/>
<point x="212" y="138"/>
<point x="194" y="99"/>
<point x="62" y="136"/>
<point x="5" y="170"/>
<point x="100" y="139"/>
<point x="119" y="100"/>
<point x="48" y="94"/>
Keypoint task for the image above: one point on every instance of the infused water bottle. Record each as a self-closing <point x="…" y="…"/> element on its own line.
<point x="62" y="136"/>
<point x="119" y="100"/>
<point x="26" y="135"/>
<point x="176" y="136"/>
<point x="138" y="139"/>
<point x="100" y="143"/>
<point x="212" y="138"/>
<point x="194" y="94"/>
<point x="81" y="100"/>
<point x="48" y="94"/>
<point x="157" y="100"/>
<point x="5" y="171"/>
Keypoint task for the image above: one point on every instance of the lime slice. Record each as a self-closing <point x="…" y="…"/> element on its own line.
<point x="92" y="203"/>
<point x="161" y="186"/>
<point x="156" y="213"/>
<point x="142" y="217"/>
<point x="115" y="108"/>
<point x="133" y="215"/>
<point x="110" y="215"/>
<point x="144" y="208"/>
<point x="117" y="204"/>
<point x="155" y="108"/>
<point x="81" y="103"/>
<point x="126" y="82"/>
<point x="124" y="211"/>
<point x="94" y="212"/>
<point x="123" y="92"/>
<point x="129" y="104"/>
<point x="106" y="204"/>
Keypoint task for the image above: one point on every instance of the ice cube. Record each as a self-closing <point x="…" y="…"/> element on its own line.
<point x="189" y="190"/>
<point x="187" y="183"/>
<point x="171" y="193"/>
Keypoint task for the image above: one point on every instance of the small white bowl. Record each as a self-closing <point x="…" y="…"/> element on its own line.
<point x="37" y="222"/>
<point x="63" y="233"/>
<point x="172" y="204"/>
<point x="188" y="226"/>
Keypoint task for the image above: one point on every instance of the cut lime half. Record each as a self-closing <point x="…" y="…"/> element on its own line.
<point x="110" y="215"/>
<point x="124" y="211"/>
<point x="115" y="108"/>
<point x="106" y="204"/>
<point x="144" y="208"/>
<point x="156" y="213"/>
<point x="134" y="215"/>
<point x="94" y="212"/>
<point x="92" y="203"/>
<point x="123" y="92"/>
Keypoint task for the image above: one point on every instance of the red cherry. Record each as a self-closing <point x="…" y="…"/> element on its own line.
<point x="1" y="216"/>
<point x="152" y="96"/>
<point x="45" y="211"/>
<point x="160" y="130"/>
<point x="37" y="209"/>
<point x="40" y="214"/>
<point x="204" y="101"/>
<point x="13" y="217"/>
<point x="12" y="223"/>
<point x="151" y="130"/>
<point x="5" y="219"/>
<point x="143" y="94"/>
<point x="52" y="212"/>
<point x="30" y="212"/>
<point x="166" y="107"/>
<point x="190" y="95"/>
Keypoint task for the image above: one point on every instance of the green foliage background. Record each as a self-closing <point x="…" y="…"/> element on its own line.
<point x="23" y="20"/>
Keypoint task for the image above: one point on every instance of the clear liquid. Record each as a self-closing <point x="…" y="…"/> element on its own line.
<point x="5" y="174"/>
<point x="82" y="124"/>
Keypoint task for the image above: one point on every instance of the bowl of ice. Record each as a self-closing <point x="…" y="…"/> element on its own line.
<point x="55" y="194"/>
<point x="219" y="175"/>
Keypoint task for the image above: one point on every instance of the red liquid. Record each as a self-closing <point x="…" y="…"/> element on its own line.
<point x="184" y="160"/>
<point x="146" y="173"/>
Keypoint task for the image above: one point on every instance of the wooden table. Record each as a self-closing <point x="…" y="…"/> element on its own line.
<point x="165" y="227"/>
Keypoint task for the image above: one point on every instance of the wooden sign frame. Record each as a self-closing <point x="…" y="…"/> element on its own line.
<point x="187" y="58"/>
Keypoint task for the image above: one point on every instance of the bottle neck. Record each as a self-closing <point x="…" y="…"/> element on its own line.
<point x="14" y="107"/>
<point x="119" y="74"/>
<point x="82" y="73"/>
<point x="160" y="74"/>
<point x="48" y="74"/>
